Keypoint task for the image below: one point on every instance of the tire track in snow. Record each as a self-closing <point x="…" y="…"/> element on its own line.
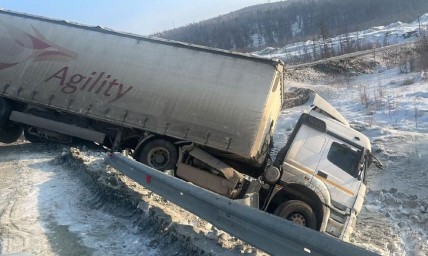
<point x="55" y="207"/>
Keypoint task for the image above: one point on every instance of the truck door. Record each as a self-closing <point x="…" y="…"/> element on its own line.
<point x="304" y="155"/>
<point x="338" y="169"/>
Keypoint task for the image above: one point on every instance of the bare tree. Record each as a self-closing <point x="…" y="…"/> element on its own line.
<point x="314" y="48"/>
<point x="325" y="37"/>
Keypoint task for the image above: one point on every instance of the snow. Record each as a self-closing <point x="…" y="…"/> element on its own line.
<point x="65" y="201"/>
<point x="49" y="211"/>
<point x="67" y="204"/>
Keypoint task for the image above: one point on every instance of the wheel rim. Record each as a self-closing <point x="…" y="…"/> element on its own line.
<point x="297" y="218"/>
<point x="158" y="157"/>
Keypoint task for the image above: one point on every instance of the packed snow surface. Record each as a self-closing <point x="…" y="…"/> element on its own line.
<point x="57" y="200"/>
<point x="46" y="209"/>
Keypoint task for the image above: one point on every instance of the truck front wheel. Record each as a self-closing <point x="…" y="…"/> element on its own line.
<point x="297" y="212"/>
<point x="159" y="154"/>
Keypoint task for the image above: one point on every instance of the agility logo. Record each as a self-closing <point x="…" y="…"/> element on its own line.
<point x="17" y="46"/>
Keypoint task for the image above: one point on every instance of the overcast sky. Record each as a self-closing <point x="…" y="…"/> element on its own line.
<point x="143" y="17"/>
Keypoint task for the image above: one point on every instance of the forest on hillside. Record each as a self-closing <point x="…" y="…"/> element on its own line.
<point x="280" y="23"/>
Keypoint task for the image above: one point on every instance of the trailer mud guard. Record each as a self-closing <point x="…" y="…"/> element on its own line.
<point x="59" y="127"/>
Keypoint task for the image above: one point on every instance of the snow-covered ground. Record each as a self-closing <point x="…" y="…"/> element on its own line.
<point x="46" y="209"/>
<point x="394" y="33"/>
<point x="57" y="200"/>
<point x="391" y="108"/>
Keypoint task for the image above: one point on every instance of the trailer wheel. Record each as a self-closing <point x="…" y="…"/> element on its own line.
<point x="298" y="212"/>
<point x="10" y="133"/>
<point x="32" y="138"/>
<point x="4" y="112"/>
<point x="159" y="154"/>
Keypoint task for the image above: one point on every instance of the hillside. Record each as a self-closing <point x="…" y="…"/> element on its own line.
<point x="280" y="23"/>
<point x="369" y="39"/>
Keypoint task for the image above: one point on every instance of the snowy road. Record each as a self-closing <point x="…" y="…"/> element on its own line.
<point x="19" y="227"/>
<point x="57" y="200"/>
<point x="46" y="209"/>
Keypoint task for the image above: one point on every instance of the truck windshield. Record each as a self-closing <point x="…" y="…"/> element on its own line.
<point x="345" y="158"/>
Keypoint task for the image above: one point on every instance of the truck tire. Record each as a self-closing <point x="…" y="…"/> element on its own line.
<point x="32" y="138"/>
<point x="5" y="110"/>
<point x="159" y="154"/>
<point x="297" y="212"/>
<point x="10" y="133"/>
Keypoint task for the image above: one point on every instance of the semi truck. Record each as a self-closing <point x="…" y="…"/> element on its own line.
<point x="205" y="115"/>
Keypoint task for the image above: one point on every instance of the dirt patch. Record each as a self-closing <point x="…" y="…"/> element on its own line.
<point x="351" y="66"/>
<point x="296" y="96"/>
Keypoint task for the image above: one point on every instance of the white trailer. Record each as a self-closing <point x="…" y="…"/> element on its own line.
<point x="211" y="97"/>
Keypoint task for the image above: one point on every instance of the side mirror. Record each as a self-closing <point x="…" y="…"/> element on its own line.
<point x="376" y="161"/>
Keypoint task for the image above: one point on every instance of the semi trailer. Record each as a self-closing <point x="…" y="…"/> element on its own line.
<point x="205" y="115"/>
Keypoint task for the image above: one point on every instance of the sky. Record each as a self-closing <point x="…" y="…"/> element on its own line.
<point x="143" y="17"/>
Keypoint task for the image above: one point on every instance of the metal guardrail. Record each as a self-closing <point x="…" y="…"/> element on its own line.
<point x="265" y="231"/>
